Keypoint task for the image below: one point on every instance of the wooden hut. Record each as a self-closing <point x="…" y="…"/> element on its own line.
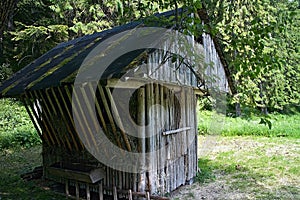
<point x="161" y="108"/>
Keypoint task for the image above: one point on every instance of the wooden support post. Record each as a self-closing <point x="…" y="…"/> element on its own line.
<point x="115" y="193"/>
<point x="142" y="143"/>
<point x="67" y="189"/>
<point x="77" y="190"/>
<point x="88" y="193"/>
<point x="101" y="191"/>
<point x="129" y="195"/>
<point x="147" y="195"/>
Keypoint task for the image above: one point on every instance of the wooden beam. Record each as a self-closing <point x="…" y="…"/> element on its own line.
<point x="176" y="130"/>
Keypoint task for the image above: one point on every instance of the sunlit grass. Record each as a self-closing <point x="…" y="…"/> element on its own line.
<point x="282" y="125"/>
<point x="266" y="168"/>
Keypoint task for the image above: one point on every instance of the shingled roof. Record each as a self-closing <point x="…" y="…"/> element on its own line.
<point x="60" y="65"/>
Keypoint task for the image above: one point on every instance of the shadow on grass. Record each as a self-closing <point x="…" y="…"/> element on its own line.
<point x="245" y="180"/>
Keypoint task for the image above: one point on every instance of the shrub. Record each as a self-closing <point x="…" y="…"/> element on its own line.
<point x="16" y="128"/>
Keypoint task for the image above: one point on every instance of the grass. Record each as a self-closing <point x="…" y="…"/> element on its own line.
<point x="282" y="125"/>
<point x="259" y="167"/>
<point x="13" y="163"/>
<point x="262" y="164"/>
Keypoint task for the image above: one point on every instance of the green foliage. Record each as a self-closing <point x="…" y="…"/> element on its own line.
<point x="5" y="72"/>
<point x="16" y="128"/>
<point x="260" y="38"/>
<point x="261" y="43"/>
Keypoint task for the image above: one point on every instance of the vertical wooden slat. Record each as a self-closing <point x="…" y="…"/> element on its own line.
<point x="130" y="195"/>
<point x="99" y="111"/>
<point x="160" y="143"/>
<point x="66" y="105"/>
<point x="86" y="129"/>
<point x="142" y="144"/>
<point x="151" y="117"/>
<point x="55" y="113"/>
<point x="196" y="129"/>
<point x="164" y="140"/>
<point x="47" y="112"/>
<point x="88" y="193"/>
<point x="147" y="195"/>
<point x="115" y="193"/>
<point x="101" y="191"/>
<point x="77" y="190"/>
<point x="118" y="118"/>
<point x="67" y="188"/>
<point x="111" y="120"/>
<point x="32" y="118"/>
<point x="39" y="121"/>
<point x="91" y="115"/>
<point x="66" y="122"/>
<point x="75" y="111"/>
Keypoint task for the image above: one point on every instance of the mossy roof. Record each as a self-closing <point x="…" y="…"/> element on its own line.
<point x="60" y="65"/>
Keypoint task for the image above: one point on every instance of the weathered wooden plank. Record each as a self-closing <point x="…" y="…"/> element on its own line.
<point x="77" y="115"/>
<point x="37" y="117"/>
<point x="66" y="106"/>
<point x="118" y="118"/>
<point x="110" y="117"/>
<point x="32" y="119"/>
<point x="99" y="110"/>
<point x="66" y="122"/>
<point x="63" y="139"/>
<point x="47" y="114"/>
<point x="90" y="117"/>
<point x="142" y="134"/>
<point x="115" y="194"/>
<point x="81" y="116"/>
<point x="100" y="190"/>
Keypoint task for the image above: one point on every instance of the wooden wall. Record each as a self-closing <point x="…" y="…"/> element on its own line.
<point x="173" y="127"/>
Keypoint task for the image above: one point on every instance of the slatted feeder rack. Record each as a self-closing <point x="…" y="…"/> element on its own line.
<point x="162" y="105"/>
